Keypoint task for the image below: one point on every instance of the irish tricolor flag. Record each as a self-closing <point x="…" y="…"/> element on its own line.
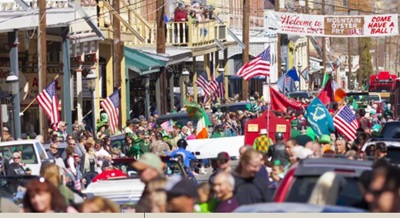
<point x="197" y="113"/>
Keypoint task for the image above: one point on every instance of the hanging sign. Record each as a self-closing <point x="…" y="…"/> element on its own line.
<point x="333" y="25"/>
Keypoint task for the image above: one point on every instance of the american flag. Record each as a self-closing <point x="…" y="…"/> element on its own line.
<point x="217" y="86"/>
<point x="111" y="107"/>
<point x="49" y="102"/>
<point x="259" y="66"/>
<point x="167" y="126"/>
<point x="203" y="83"/>
<point x="346" y="123"/>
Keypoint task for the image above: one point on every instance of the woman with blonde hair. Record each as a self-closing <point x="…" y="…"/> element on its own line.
<point x="51" y="172"/>
<point x="99" y="204"/>
<point x="327" y="189"/>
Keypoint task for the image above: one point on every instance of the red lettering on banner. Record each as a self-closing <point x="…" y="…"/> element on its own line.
<point x="381" y="25"/>
<point x="294" y="20"/>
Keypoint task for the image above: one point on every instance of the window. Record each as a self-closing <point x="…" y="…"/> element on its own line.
<point x="41" y="152"/>
<point x="28" y="153"/>
<point x="344" y="3"/>
<point x="303" y="186"/>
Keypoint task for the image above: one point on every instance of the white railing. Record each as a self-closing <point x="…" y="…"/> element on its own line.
<point x="11" y="5"/>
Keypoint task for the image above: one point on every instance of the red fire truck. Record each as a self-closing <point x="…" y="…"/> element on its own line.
<point x="395" y="99"/>
<point x="384" y="83"/>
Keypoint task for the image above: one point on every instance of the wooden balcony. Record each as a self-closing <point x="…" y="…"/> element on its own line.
<point x="138" y="32"/>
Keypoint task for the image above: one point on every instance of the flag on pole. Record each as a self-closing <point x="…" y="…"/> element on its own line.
<point x="203" y="83"/>
<point x="346" y="123"/>
<point x="217" y="87"/>
<point x="48" y="101"/>
<point x="260" y="66"/>
<point x="111" y="107"/>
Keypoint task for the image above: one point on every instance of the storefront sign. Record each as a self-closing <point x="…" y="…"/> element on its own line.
<point x="32" y="88"/>
<point x="333" y="25"/>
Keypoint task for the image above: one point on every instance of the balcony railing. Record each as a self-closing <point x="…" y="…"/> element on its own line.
<point x="11" y="5"/>
<point x="194" y="34"/>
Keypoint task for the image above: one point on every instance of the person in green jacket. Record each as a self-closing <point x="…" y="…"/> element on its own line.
<point x="294" y="132"/>
<point x="219" y="132"/>
<point x="206" y="203"/>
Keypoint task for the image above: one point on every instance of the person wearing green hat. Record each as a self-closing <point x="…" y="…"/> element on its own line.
<point x="160" y="147"/>
<point x="325" y="142"/>
<point x="294" y="132"/>
<point x="277" y="174"/>
<point x="219" y="132"/>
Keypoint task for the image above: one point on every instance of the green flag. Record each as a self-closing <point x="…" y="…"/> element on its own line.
<point x="325" y="80"/>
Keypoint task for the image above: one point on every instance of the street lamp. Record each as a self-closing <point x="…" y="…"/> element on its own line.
<point x="91" y="84"/>
<point x="186" y="79"/>
<point x="13" y="89"/>
<point x="146" y="84"/>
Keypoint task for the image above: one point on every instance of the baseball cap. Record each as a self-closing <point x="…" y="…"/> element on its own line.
<point x="135" y="121"/>
<point x="180" y="186"/>
<point x="149" y="160"/>
<point x="223" y="156"/>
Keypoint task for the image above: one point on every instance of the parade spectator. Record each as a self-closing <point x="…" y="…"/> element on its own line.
<point x="159" y="147"/>
<point x="80" y="147"/>
<point x="277" y="174"/>
<point x="315" y="147"/>
<point x="249" y="188"/>
<point x="187" y="156"/>
<point x="327" y="189"/>
<point x="6" y="135"/>
<point x="364" y="182"/>
<point x="181" y="194"/>
<point x="157" y="196"/>
<point x="380" y="150"/>
<point x="149" y="167"/>
<point x="71" y="144"/>
<point x="99" y="204"/>
<point x="223" y="186"/>
<point x="205" y="202"/>
<point x="340" y="146"/>
<point x="325" y="142"/>
<point x="15" y="168"/>
<point x="51" y="172"/>
<point x="62" y="128"/>
<point x="42" y="196"/>
<point x="53" y="152"/>
<point x="223" y="165"/>
<point x="89" y="166"/>
<point x="180" y="15"/>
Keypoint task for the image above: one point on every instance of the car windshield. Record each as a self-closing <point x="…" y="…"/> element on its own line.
<point x="394" y="154"/>
<point x="28" y="152"/>
<point x="372" y="98"/>
<point x="303" y="186"/>
<point x="391" y="130"/>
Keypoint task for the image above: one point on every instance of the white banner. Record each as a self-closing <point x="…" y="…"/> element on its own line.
<point x="333" y="25"/>
<point x="209" y="148"/>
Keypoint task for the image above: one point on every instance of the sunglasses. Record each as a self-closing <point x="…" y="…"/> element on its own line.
<point x="54" y="148"/>
<point x="16" y="158"/>
<point x="223" y="161"/>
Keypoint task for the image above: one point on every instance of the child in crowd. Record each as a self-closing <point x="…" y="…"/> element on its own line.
<point x="206" y="202"/>
<point x="277" y="174"/>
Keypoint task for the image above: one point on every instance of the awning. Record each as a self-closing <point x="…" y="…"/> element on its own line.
<point x="141" y="62"/>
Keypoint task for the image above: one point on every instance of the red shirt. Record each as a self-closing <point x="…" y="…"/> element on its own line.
<point x="180" y="15"/>
<point x="105" y="175"/>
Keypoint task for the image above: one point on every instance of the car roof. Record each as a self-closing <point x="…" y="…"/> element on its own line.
<point x="234" y="104"/>
<point x="19" y="142"/>
<point x="319" y="166"/>
<point x="174" y="115"/>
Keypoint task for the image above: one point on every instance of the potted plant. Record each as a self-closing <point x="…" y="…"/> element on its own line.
<point x="28" y="171"/>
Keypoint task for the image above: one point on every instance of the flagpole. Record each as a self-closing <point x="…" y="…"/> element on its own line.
<point x="269" y="101"/>
<point x="30" y="104"/>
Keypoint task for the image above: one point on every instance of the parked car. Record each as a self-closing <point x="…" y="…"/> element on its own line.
<point x="301" y="178"/>
<point x="33" y="153"/>
<point x="393" y="148"/>
<point x="233" y="107"/>
<point x="180" y="118"/>
<point x="294" y="208"/>
<point x="299" y="95"/>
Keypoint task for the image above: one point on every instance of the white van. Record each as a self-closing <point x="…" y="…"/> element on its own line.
<point x="33" y="153"/>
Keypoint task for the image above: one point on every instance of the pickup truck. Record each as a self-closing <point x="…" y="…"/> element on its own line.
<point x="33" y="153"/>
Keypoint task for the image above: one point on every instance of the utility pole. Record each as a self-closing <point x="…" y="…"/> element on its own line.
<point x="160" y="5"/>
<point x="42" y="62"/>
<point x="278" y="45"/>
<point x="308" y="47"/>
<point x="117" y="45"/>
<point x="323" y="41"/>
<point x="117" y="54"/>
<point x="385" y="55"/>
<point x="349" y="62"/>
<point x="246" y="41"/>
